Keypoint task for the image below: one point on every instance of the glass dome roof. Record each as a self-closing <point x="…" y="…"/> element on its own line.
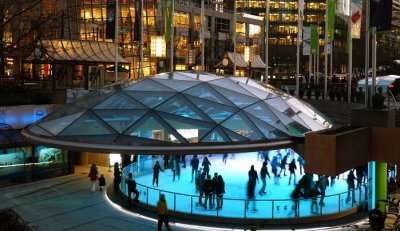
<point x="181" y="109"/>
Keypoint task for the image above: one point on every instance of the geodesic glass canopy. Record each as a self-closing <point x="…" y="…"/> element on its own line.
<point x="169" y="111"/>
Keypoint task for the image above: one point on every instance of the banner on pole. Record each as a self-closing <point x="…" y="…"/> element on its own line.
<point x="343" y="8"/>
<point x="168" y="18"/>
<point x="306" y="40"/>
<point x="356" y="18"/>
<point x="314" y="39"/>
<point x="111" y="13"/>
<point x="381" y="14"/>
<point x="331" y="19"/>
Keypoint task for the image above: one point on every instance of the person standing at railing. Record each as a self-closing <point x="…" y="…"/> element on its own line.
<point x="263" y="175"/>
<point x="162" y="210"/>
<point x="208" y="190"/>
<point x="350" y="187"/>
<point x="220" y="190"/>
<point x="201" y="180"/>
<point x="195" y="165"/>
<point x="283" y="164"/>
<point x="322" y="183"/>
<point x="117" y="176"/>
<point x="251" y="186"/>
<point x="214" y="193"/>
<point x="156" y="172"/>
<point x="131" y="183"/>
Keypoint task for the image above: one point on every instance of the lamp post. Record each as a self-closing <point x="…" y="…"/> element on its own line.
<point x="247" y="59"/>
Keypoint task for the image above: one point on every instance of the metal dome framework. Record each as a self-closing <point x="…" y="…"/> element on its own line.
<point x="181" y="113"/>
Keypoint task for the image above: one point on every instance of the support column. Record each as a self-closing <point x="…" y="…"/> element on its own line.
<point x="381" y="185"/>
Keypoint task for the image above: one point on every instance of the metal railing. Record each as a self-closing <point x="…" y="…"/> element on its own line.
<point x="243" y="208"/>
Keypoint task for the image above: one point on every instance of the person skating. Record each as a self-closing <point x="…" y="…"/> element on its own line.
<point x="206" y="165"/>
<point x="283" y="165"/>
<point x="202" y="179"/>
<point x="224" y="158"/>
<point x="296" y="196"/>
<point x="166" y="161"/>
<point x="292" y="171"/>
<point x="350" y="187"/>
<point x="251" y="186"/>
<point x="183" y="160"/>
<point x="156" y="172"/>
<point x="274" y="166"/>
<point x="208" y="190"/>
<point x="322" y="183"/>
<point x="131" y="183"/>
<point x="176" y="168"/>
<point x="300" y="160"/>
<point x="263" y="175"/>
<point x="220" y="190"/>
<point x="93" y="175"/>
<point x="194" y="163"/>
<point x="162" y="210"/>
<point x="102" y="182"/>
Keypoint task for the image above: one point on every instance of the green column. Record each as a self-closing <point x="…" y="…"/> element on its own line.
<point x="381" y="185"/>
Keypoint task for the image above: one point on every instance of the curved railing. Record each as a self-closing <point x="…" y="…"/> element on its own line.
<point x="239" y="208"/>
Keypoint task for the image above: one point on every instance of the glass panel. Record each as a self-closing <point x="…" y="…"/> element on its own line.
<point x="57" y="125"/>
<point x="149" y="127"/>
<point x="241" y="125"/>
<point x="39" y="131"/>
<point x="120" y="119"/>
<point x="119" y="101"/>
<point x="178" y="85"/>
<point x="150" y="99"/>
<point x="217" y="112"/>
<point x="148" y="85"/>
<point x="215" y="136"/>
<point x="204" y="91"/>
<point x="238" y="99"/>
<point x="87" y="124"/>
<point x="181" y="107"/>
<point x="234" y="136"/>
<point x="268" y="131"/>
<point x="277" y="103"/>
<point x="191" y="130"/>
<point x="230" y="84"/>
<point x="261" y="111"/>
<point x="255" y="91"/>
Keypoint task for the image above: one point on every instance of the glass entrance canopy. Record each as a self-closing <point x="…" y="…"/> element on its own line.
<point x="170" y="111"/>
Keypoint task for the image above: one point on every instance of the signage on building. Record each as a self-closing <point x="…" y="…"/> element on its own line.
<point x="306" y="40"/>
<point x="356" y="18"/>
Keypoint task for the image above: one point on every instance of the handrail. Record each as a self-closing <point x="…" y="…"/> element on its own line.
<point x="394" y="99"/>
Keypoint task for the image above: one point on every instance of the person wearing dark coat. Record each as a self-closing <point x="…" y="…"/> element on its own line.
<point x="220" y="190"/>
<point x="194" y="162"/>
<point x="214" y="195"/>
<point x="166" y="161"/>
<point x="292" y="171"/>
<point x="131" y="183"/>
<point x="251" y="186"/>
<point x="102" y="182"/>
<point x="208" y="190"/>
<point x="283" y="164"/>
<point x="117" y="176"/>
<point x="156" y="172"/>
<point x="206" y="165"/>
<point x="350" y="187"/>
<point x="201" y="181"/>
<point x="263" y="175"/>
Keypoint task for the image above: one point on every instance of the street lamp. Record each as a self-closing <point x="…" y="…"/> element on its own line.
<point x="247" y="58"/>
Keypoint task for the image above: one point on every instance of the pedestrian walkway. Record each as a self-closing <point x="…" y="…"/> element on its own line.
<point x="66" y="203"/>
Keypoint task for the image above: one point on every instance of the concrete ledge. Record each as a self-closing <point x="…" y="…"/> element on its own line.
<point x="373" y="118"/>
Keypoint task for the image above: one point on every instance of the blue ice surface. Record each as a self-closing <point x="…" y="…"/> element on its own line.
<point x="181" y="194"/>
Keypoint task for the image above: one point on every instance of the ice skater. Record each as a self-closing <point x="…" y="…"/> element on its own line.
<point x="201" y="181"/>
<point x="224" y="158"/>
<point x="194" y="162"/>
<point x="300" y="160"/>
<point x="183" y="160"/>
<point x="292" y="171"/>
<point x="166" y="161"/>
<point x="156" y="173"/>
<point x="176" y="168"/>
<point x="322" y="183"/>
<point x="263" y="175"/>
<point x="214" y="193"/>
<point x="274" y="167"/>
<point x="208" y="190"/>
<point x="350" y="187"/>
<point x="251" y="186"/>
<point x="283" y="164"/>
<point x="206" y="165"/>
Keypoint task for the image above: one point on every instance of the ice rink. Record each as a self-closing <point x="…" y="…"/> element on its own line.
<point x="181" y="194"/>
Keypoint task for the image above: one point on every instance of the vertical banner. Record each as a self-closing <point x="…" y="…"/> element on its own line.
<point x="306" y="40"/>
<point x="138" y="17"/>
<point x="381" y="14"/>
<point x="168" y="18"/>
<point x="331" y="19"/>
<point x="356" y="18"/>
<point x="110" y="25"/>
<point x="314" y="39"/>
<point x="343" y="7"/>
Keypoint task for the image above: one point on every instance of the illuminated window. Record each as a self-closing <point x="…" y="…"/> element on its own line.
<point x="254" y="30"/>
<point x="180" y="67"/>
<point x="240" y="28"/>
<point x="157" y="46"/>
<point x="181" y="20"/>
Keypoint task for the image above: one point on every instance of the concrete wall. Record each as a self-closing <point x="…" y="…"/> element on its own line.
<point x="100" y="159"/>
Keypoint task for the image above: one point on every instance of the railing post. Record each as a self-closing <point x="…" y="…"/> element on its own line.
<point x="339" y="202"/>
<point x="174" y="202"/>
<point x="273" y="206"/>
<point x="191" y="204"/>
<point x="245" y="208"/>
<point x="147" y="195"/>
